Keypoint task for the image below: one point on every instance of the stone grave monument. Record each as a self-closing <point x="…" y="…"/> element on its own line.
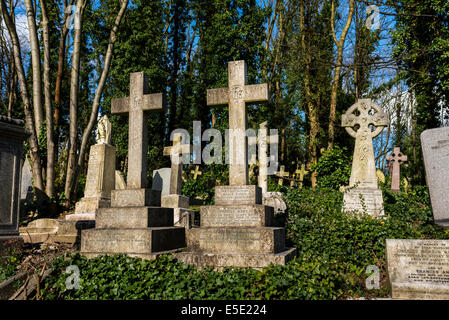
<point x="180" y="204"/>
<point x="196" y="172"/>
<point x="435" y="146"/>
<point x="135" y="223"/>
<point x="364" y="120"/>
<point x="100" y="175"/>
<point x="237" y="231"/>
<point x="161" y="180"/>
<point x="12" y="136"/>
<point x="269" y="198"/>
<point x="418" y="269"/>
<point x="301" y="174"/>
<point x="395" y="160"/>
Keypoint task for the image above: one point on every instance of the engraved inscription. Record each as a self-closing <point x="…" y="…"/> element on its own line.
<point x="229" y="236"/>
<point x="233" y="216"/>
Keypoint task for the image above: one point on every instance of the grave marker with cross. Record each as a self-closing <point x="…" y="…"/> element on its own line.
<point x="174" y="152"/>
<point x="282" y="173"/>
<point x="301" y="173"/>
<point x="196" y="172"/>
<point x="395" y="160"/>
<point x="137" y="105"/>
<point x="236" y="96"/>
<point x="364" y="120"/>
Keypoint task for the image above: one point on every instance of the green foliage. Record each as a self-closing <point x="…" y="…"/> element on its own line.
<point x="9" y="260"/>
<point x="333" y="168"/>
<point x="317" y="227"/>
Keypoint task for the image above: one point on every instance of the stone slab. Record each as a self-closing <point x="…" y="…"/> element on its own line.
<point x="234" y="195"/>
<point x="135" y="198"/>
<point x="255" y="215"/>
<point x="372" y="201"/>
<point x="275" y="200"/>
<point x="146" y="256"/>
<point x="161" y="180"/>
<point x="134" y="217"/>
<point x="135" y="240"/>
<point x="175" y="201"/>
<point x="418" y="269"/>
<point x="222" y="260"/>
<point x="435" y="145"/>
<point x="254" y="240"/>
<point x="100" y="179"/>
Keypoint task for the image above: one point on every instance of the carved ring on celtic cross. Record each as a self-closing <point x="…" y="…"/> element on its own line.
<point x="369" y="113"/>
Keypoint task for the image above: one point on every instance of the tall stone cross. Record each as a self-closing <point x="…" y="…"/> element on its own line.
<point x="395" y="160"/>
<point x="364" y="120"/>
<point x="236" y="96"/>
<point x="137" y="105"/>
<point x="175" y="151"/>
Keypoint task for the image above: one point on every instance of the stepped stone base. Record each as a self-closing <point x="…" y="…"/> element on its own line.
<point x="145" y="256"/>
<point x="135" y="198"/>
<point x="132" y="240"/>
<point x="54" y="230"/>
<point x="175" y="201"/>
<point x="221" y="260"/>
<point x="255" y="215"/>
<point x="86" y="208"/>
<point x="372" y="201"/>
<point x="134" y="217"/>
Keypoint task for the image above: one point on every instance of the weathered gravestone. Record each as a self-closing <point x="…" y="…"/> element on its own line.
<point x="395" y="160"/>
<point x="100" y="175"/>
<point x="237" y="231"/>
<point x="180" y="204"/>
<point x="435" y="145"/>
<point x="135" y="223"/>
<point x="12" y="136"/>
<point x="301" y="173"/>
<point x="418" y="269"/>
<point x="161" y="180"/>
<point x="26" y="189"/>
<point x="364" y="120"/>
<point x="272" y="199"/>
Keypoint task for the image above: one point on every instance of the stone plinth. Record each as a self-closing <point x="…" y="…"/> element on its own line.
<point x="418" y="269"/>
<point x="182" y="215"/>
<point x="135" y="224"/>
<point x="175" y="201"/>
<point x="236" y="232"/>
<point x="12" y="136"/>
<point x="54" y="230"/>
<point x="99" y="183"/>
<point x="364" y="200"/>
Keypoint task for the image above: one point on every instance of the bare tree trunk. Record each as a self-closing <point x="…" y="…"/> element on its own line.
<point x="99" y="91"/>
<point x="61" y="60"/>
<point x="50" y="180"/>
<point x="74" y="86"/>
<point x="36" y="66"/>
<point x="34" y="148"/>
<point x="339" y="43"/>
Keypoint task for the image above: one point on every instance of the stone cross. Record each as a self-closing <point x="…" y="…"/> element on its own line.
<point x="236" y="96"/>
<point x="175" y="151"/>
<point x="196" y="172"/>
<point x="395" y="160"/>
<point x="364" y="120"/>
<point x="136" y="105"/>
<point x="282" y="173"/>
<point x="301" y="174"/>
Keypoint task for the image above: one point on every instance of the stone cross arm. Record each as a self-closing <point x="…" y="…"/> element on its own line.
<point x="155" y="101"/>
<point x="250" y="93"/>
<point x="177" y="149"/>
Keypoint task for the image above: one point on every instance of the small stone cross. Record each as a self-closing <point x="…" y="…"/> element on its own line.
<point x="174" y="152"/>
<point x="236" y="96"/>
<point x="282" y="173"/>
<point x="301" y="173"/>
<point x="364" y="120"/>
<point x="136" y="105"/>
<point x="196" y="172"/>
<point x="395" y="160"/>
